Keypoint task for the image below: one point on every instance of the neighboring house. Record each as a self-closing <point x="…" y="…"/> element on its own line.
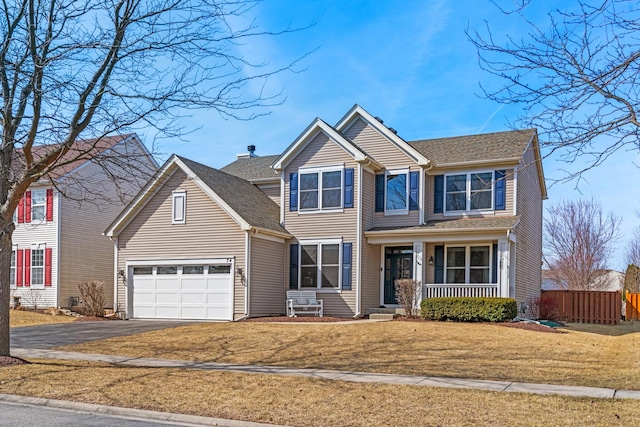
<point x="609" y="280"/>
<point x="57" y="241"/>
<point x="345" y="211"/>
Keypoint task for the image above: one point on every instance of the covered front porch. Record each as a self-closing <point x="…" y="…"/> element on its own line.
<point x="462" y="258"/>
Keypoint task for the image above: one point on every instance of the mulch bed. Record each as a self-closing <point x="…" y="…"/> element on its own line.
<point x="95" y="319"/>
<point x="12" y="361"/>
<point x="299" y="319"/>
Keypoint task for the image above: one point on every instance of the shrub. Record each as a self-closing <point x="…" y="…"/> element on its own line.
<point x="408" y="296"/>
<point x="92" y="294"/>
<point x="544" y="307"/>
<point x="466" y="309"/>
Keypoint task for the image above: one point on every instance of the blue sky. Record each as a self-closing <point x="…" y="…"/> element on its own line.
<point x="408" y="62"/>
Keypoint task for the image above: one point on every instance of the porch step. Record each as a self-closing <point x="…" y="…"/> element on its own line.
<point x="381" y="316"/>
<point x="383" y="310"/>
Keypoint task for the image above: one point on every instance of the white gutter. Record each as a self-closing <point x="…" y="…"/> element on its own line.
<point x="247" y="252"/>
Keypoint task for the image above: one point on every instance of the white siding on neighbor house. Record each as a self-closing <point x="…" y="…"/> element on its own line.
<point x="322" y="151"/>
<point x="429" y="195"/>
<point x="271" y="190"/>
<point x="266" y="270"/>
<point x="529" y="230"/>
<point x="40" y="232"/>
<point x="208" y="233"/>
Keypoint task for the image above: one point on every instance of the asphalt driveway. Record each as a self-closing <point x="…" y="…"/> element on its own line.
<point x="50" y="336"/>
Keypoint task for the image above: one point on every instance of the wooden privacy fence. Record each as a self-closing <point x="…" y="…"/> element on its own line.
<point x="588" y="306"/>
<point x="633" y="307"/>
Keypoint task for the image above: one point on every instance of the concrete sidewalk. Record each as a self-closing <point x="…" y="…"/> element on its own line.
<point x="498" y="386"/>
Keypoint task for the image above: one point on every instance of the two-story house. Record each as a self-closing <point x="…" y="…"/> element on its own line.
<point x="57" y="241"/>
<point x="345" y="210"/>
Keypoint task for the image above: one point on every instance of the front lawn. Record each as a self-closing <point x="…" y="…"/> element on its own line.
<point x="304" y="401"/>
<point x="464" y="350"/>
<point x="18" y="318"/>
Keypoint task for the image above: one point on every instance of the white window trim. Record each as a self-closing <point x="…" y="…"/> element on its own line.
<point x="43" y="248"/>
<point x="407" y="183"/>
<point x="319" y="243"/>
<point x="182" y="219"/>
<point x="14" y="251"/>
<point x="468" y="210"/>
<point x="44" y="205"/>
<point x="319" y="171"/>
<point x="467" y="261"/>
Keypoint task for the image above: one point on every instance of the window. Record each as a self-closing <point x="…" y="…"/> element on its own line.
<point x="468" y="264"/>
<point x="37" y="267"/>
<point x="142" y="271"/>
<point x="167" y="270"/>
<point x="320" y="265"/>
<point x="397" y="191"/>
<point x="219" y="269"/>
<point x="193" y="269"/>
<point x="320" y="190"/>
<point x="469" y="192"/>
<point x="179" y="207"/>
<point x="38" y="204"/>
<point x="12" y="273"/>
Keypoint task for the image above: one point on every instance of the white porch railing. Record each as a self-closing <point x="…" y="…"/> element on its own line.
<point x="460" y="290"/>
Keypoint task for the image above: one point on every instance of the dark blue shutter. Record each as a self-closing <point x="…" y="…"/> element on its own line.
<point x="293" y="266"/>
<point x="346" y="266"/>
<point x="348" y="188"/>
<point x="500" y="191"/>
<point x="293" y="191"/>
<point x="414" y="184"/>
<point x="494" y="274"/>
<point x="380" y="193"/>
<point x="438" y="264"/>
<point x="438" y="193"/>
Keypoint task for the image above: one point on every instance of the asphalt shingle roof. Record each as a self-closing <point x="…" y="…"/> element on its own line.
<point x="244" y="198"/>
<point x="488" y="223"/>
<point x="471" y="148"/>
<point x="253" y="168"/>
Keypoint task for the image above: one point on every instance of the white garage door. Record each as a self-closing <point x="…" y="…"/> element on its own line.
<point x="183" y="292"/>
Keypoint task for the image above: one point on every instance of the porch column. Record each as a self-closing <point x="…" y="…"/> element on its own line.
<point x="418" y="265"/>
<point x="503" y="268"/>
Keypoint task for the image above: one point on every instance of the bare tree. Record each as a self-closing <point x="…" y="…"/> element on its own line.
<point x="83" y="69"/>
<point x="576" y="77"/>
<point x="579" y="239"/>
<point x="633" y="248"/>
<point x="632" y="279"/>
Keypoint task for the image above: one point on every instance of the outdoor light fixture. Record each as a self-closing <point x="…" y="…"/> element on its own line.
<point x="431" y="260"/>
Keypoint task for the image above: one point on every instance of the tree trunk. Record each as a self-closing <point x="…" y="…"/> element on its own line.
<point x="5" y="287"/>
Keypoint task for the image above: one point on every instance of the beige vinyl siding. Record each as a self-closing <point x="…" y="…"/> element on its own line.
<point x="529" y="230"/>
<point x="429" y="270"/>
<point x="377" y="146"/>
<point x="209" y="232"/>
<point x="267" y="292"/>
<point x="45" y="232"/>
<point x="429" y="196"/>
<point x="368" y="199"/>
<point x="370" y="276"/>
<point x="320" y="152"/>
<point x="271" y="190"/>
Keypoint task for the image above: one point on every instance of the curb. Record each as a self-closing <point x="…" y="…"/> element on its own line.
<point x="131" y="413"/>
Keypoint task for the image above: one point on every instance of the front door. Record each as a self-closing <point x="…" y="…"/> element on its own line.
<point x="398" y="264"/>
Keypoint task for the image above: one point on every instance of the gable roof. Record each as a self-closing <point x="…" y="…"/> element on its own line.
<point x="483" y="148"/>
<point x="359" y="112"/>
<point x="244" y="202"/>
<point x="254" y="169"/>
<point x="320" y="126"/>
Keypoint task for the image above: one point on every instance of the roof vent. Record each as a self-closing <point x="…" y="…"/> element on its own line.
<point x="252" y="150"/>
<point x="379" y="119"/>
<point x="395" y="132"/>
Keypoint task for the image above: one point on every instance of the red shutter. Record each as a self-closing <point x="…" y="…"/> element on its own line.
<point x="27" y="208"/>
<point x="19" y="267"/>
<point x="49" y="204"/>
<point x="21" y="211"/>
<point x="48" y="255"/>
<point x="27" y="267"/>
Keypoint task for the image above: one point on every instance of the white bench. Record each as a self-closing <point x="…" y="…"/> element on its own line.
<point x="303" y="302"/>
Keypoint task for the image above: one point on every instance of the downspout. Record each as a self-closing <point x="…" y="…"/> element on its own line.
<point x="246" y="276"/>
<point x="359" y="244"/>
<point x="116" y="275"/>
<point x="57" y="218"/>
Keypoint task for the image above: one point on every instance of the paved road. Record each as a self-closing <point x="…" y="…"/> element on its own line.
<point x="49" y="336"/>
<point x="20" y="415"/>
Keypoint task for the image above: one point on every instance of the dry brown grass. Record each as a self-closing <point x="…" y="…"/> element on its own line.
<point x="18" y="318"/>
<point x="302" y="401"/>
<point x="479" y="351"/>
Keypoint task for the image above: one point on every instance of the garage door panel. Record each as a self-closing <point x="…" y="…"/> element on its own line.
<point x="184" y="296"/>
